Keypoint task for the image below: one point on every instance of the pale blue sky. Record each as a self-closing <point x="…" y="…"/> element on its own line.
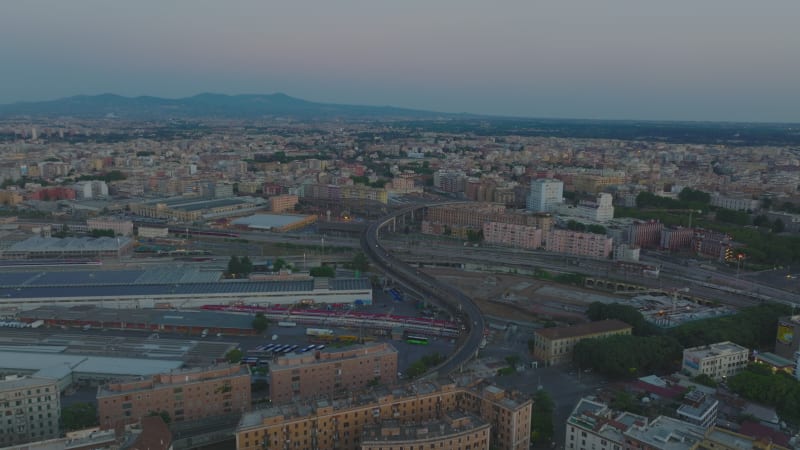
<point x="609" y="59"/>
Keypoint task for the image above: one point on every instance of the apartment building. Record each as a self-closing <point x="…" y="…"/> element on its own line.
<point x="579" y="244"/>
<point x="594" y="426"/>
<point x="545" y="195"/>
<point x="10" y="198"/>
<point x="328" y="372"/>
<point x="718" y="361"/>
<point x="342" y="423"/>
<point x="664" y="433"/>
<point x="554" y="345"/>
<point x="712" y="244"/>
<point x="183" y="394"/>
<point x="90" y="189"/>
<point x="678" y="238"/>
<point x="52" y="193"/>
<point x="722" y="439"/>
<point x="735" y="203"/>
<point x="513" y="235"/>
<point x="645" y="234"/>
<point x="30" y="408"/>
<point x="698" y="408"/>
<point x="600" y="210"/>
<point x="119" y="227"/>
<point x="596" y="183"/>
<point x="456" y="431"/>
<point x="282" y="203"/>
<point x="449" y="180"/>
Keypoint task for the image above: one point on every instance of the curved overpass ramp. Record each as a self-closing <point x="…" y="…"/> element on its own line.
<point x="461" y="306"/>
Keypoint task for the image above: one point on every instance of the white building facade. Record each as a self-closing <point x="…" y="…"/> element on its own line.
<point x="30" y="409"/>
<point x="718" y="361"/>
<point x="545" y="195"/>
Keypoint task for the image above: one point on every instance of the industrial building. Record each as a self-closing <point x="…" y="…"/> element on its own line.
<point x="70" y="247"/>
<point x="274" y="222"/>
<point x="349" y="422"/>
<point x="184" y="288"/>
<point x="191" y="209"/>
<point x="64" y="369"/>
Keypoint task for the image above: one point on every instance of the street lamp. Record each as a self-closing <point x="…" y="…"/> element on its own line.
<point x="739" y="262"/>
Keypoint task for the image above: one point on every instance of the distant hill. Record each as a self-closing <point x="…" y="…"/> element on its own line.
<point x="206" y="106"/>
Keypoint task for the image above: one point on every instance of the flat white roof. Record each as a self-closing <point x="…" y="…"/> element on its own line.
<point x="100" y="365"/>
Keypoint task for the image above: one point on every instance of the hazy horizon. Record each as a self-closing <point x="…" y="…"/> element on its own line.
<point x="622" y="59"/>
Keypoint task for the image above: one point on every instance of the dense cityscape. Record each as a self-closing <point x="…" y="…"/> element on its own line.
<point x="346" y="283"/>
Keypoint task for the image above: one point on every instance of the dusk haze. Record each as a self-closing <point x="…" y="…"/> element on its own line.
<point x="620" y="59"/>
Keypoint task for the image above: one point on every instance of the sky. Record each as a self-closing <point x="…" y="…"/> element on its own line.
<point x="715" y="60"/>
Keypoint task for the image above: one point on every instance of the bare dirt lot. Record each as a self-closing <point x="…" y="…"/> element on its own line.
<point x="519" y="297"/>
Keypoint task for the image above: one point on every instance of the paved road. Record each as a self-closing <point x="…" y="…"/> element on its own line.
<point x="462" y="307"/>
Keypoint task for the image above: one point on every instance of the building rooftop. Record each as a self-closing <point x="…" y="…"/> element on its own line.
<point x="366" y="397"/>
<point x="602" y="326"/>
<point x="666" y="433"/>
<point x="453" y="423"/>
<point x="10" y="383"/>
<point x="268" y="221"/>
<point x="70" y="244"/>
<point x="593" y="415"/>
<point x="717" y="349"/>
<point x="186" y="318"/>
<point x="774" y="360"/>
<point x="28" y="361"/>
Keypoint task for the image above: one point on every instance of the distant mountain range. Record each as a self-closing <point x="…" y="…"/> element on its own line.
<point x="207" y="106"/>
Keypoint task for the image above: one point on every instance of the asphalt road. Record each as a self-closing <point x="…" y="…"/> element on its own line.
<point x="460" y="305"/>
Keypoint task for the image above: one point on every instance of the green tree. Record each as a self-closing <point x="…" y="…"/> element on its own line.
<point x="596" y="229"/>
<point x="245" y="265"/>
<point x="234" y="265"/>
<point x="761" y="220"/>
<point x="260" y="322"/>
<point x="234" y="356"/>
<point x="323" y="271"/>
<point x="705" y="380"/>
<point x="778" y="226"/>
<point x="752" y="327"/>
<point x="695" y="196"/>
<point x="542" y="429"/>
<point x="626" y="356"/>
<point x="626" y="313"/>
<point x="279" y="264"/>
<point x="360" y="262"/>
<point x="78" y="416"/>
<point x="100" y="233"/>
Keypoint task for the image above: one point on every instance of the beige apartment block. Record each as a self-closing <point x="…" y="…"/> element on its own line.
<point x="342" y="423"/>
<point x="183" y="394"/>
<point x="328" y="372"/>
<point x="456" y="431"/>
<point x="554" y="345"/>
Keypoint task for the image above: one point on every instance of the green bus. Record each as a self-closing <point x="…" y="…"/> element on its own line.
<point x="418" y="340"/>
